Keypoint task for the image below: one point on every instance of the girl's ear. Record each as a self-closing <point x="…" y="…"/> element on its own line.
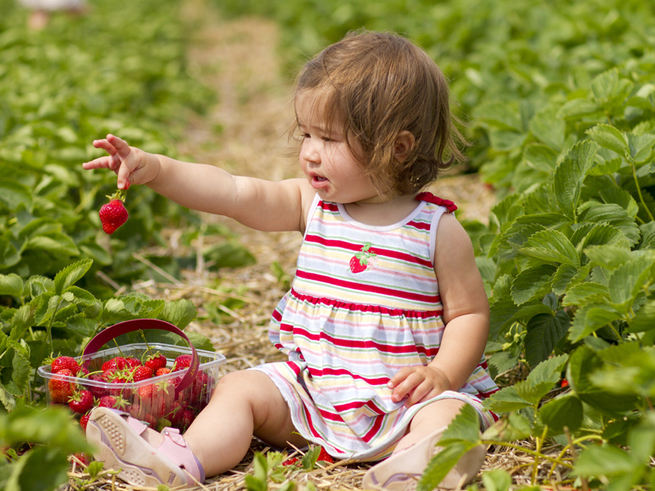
<point x="404" y="144"/>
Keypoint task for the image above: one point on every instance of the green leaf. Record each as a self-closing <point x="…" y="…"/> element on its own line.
<point x="585" y="292"/>
<point x="577" y="108"/>
<point x="505" y="400"/>
<point x="590" y="318"/>
<point x="441" y="464"/>
<point x="499" y="115"/>
<point x="549" y="128"/>
<point x="640" y="146"/>
<point x="20" y="375"/>
<point x="79" y="296"/>
<point x="56" y="244"/>
<point x="562" y="412"/>
<point x="606" y="460"/>
<point x="563" y="277"/>
<point x="497" y="480"/>
<point x="570" y="174"/>
<point x="544" y="332"/>
<point x="609" y="137"/>
<point x="622" y="198"/>
<point x="11" y="284"/>
<point x="551" y="246"/>
<point x="547" y="372"/>
<point x="531" y="283"/>
<point x="644" y="319"/>
<point x="582" y="363"/>
<point x="52" y="465"/>
<point x="71" y="274"/>
<point x="310" y="458"/>
<point x="540" y="157"/>
<point x="608" y="256"/>
<point x="630" y="278"/>
<point x="511" y="427"/>
<point x="611" y="213"/>
<point x="180" y="312"/>
<point x="465" y="427"/>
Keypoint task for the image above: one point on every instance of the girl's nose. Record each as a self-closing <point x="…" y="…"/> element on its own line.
<point x="309" y="151"/>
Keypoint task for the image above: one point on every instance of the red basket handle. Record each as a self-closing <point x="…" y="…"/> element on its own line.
<point x="111" y="332"/>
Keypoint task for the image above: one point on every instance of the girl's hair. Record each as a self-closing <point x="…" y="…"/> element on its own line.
<point x="377" y="85"/>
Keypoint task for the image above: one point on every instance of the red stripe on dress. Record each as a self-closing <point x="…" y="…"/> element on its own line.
<point x="410" y="314"/>
<point x="365" y="345"/>
<point x="378" y="290"/>
<point x="349" y="246"/>
<point x="374" y="429"/>
<point x="342" y="371"/>
<point x="484" y="395"/>
<point x="419" y="225"/>
<point x="328" y="206"/>
<point x="359" y="404"/>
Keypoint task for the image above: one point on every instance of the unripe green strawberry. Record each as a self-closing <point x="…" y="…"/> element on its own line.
<point x="113" y="214"/>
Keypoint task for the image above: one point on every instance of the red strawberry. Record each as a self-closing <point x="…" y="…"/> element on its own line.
<point x="163" y="371"/>
<point x="133" y="362"/>
<point x="60" y="388"/>
<point x="96" y="390"/>
<point x="113" y="402"/>
<point x="84" y="420"/>
<point x="362" y="260"/>
<point x="156" y="362"/>
<point x="62" y="362"/>
<point x="116" y="363"/>
<point x="324" y="456"/>
<point x="81" y="402"/>
<point x="82" y="457"/>
<point x="182" y="362"/>
<point x="141" y="373"/>
<point x="113" y="214"/>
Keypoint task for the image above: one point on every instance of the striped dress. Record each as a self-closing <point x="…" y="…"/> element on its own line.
<point x="364" y="303"/>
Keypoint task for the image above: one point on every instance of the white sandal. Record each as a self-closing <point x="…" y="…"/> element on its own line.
<point x="119" y="444"/>
<point x="402" y="471"/>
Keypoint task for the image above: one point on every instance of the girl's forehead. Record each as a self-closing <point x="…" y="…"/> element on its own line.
<point x="314" y="107"/>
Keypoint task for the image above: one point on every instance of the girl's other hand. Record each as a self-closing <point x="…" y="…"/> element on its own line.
<point x="131" y="165"/>
<point x="418" y="384"/>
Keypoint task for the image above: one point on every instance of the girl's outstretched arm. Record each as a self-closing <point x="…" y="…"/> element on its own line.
<point x="257" y="203"/>
<point x="465" y="313"/>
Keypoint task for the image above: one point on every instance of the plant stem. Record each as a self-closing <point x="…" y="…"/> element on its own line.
<point x="526" y="450"/>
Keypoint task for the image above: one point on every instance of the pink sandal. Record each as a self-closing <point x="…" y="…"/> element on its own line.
<point x="120" y="444"/>
<point x="403" y="470"/>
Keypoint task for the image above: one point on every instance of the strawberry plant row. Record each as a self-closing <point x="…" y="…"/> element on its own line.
<point x="120" y="68"/>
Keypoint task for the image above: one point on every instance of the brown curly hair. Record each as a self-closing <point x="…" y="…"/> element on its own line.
<point x="377" y="85"/>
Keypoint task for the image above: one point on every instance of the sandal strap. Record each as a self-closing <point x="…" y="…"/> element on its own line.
<point x="176" y="449"/>
<point x="135" y="424"/>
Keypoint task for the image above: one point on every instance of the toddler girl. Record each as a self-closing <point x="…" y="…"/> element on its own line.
<point x="386" y="321"/>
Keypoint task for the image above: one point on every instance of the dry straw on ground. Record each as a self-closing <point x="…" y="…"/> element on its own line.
<point x="238" y="58"/>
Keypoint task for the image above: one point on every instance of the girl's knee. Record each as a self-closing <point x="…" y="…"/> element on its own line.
<point x="249" y="385"/>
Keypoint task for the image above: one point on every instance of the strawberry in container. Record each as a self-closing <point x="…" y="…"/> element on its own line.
<point x="160" y="384"/>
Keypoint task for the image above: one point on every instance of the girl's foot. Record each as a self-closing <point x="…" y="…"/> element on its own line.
<point x="402" y="471"/>
<point x="145" y="457"/>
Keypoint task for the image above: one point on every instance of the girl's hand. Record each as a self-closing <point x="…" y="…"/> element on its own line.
<point x="418" y="384"/>
<point x="131" y="165"/>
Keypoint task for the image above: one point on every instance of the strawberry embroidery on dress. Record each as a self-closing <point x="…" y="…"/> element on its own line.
<point x="431" y="198"/>
<point x="363" y="260"/>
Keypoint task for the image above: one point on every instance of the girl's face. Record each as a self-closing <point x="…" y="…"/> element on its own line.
<point x="326" y="159"/>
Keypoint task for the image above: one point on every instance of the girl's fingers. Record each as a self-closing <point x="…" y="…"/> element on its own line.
<point x="120" y="145"/>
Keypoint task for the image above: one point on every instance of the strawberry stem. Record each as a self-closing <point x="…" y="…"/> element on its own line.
<point x="119" y="195"/>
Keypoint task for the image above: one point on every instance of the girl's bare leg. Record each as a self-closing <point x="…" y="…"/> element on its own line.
<point x="244" y="404"/>
<point x="431" y="418"/>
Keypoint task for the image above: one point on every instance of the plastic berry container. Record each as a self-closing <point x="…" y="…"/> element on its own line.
<point x="172" y="399"/>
